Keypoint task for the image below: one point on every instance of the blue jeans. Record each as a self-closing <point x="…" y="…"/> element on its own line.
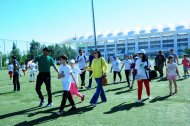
<point x="99" y="91"/>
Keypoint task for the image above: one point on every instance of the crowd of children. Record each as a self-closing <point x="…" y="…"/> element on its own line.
<point x="135" y="68"/>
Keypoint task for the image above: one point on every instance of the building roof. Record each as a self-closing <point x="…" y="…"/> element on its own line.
<point x="131" y="32"/>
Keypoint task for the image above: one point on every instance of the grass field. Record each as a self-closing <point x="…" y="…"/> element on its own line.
<point x="21" y="108"/>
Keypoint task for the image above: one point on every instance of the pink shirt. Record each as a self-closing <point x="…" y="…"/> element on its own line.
<point x="185" y="62"/>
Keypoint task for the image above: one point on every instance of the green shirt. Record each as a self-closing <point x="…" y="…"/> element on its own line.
<point x="44" y="63"/>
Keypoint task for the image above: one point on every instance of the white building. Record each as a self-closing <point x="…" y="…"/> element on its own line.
<point x="130" y="41"/>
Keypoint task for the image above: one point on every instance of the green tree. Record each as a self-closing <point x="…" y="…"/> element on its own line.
<point x="34" y="49"/>
<point x="187" y="51"/>
<point x="4" y="59"/>
<point x="15" y="52"/>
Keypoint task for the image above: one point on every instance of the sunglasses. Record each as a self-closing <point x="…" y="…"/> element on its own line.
<point x="95" y="53"/>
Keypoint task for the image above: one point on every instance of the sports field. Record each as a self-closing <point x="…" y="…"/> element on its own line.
<point x="21" y="108"/>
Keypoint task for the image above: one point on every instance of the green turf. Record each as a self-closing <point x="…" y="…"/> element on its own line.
<point x="21" y="109"/>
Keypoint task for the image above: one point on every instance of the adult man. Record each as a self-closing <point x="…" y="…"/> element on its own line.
<point x="82" y="60"/>
<point x="160" y="60"/>
<point x="174" y="55"/>
<point x="91" y="57"/>
<point x="44" y="63"/>
<point x="16" y="73"/>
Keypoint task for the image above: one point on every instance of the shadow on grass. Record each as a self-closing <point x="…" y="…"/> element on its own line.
<point x="126" y="91"/>
<point x="53" y="116"/>
<point x="20" y="112"/>
<point x="162" y="79"/>
<point x="30" y="114"/>
<point x="115" y="89"/>
<point x="158" y="98"/>
<point x="123" y="106"/>
<point x="181" y="79"/>
<point x="7" y="93"/>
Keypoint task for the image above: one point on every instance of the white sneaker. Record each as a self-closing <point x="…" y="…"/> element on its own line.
<point x="139" y="101"/>
<point x="49" y="105"/>
<point x="149" y="97"/>
<point x="59" y="113"/>
<point x="93" y="105"/>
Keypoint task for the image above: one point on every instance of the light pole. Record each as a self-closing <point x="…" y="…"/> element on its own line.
<point x="94" y="26"/>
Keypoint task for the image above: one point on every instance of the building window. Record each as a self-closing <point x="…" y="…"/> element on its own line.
<point x="155" y="42"/>
<point x="170" y="41"/>
<point x="130" y="44"/>
<point x="131" y="49"/>
<point x="120" y="45"/>
<point x="155" y="46"/>
<point x="182" y="39"/>
<point x="111" y="45"/>
<point x="168" y="45"/>
<point x="143" y="47"/>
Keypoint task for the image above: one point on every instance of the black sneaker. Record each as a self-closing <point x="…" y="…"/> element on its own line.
<point x="73" y="108"/>
<point x="41" y="102"/>
<point x="131" y="87"/>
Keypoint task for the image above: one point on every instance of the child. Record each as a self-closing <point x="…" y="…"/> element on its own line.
<point x="76" y="71"/>
<point x="171" y="73"/>
<point x="116" y="68"/>
<point x="134" y="71"/>
<point x="32" y="71"/>
<point x="23" y="68"/>
<point x="185" y="63"/>
<point x="65" y="73"/>
<point x="127" y="64"/>
<point x="10" y="70"/>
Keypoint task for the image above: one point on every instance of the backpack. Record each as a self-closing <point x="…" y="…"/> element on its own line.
<point x="152" y="73"/>
<point x="84" y="57"/>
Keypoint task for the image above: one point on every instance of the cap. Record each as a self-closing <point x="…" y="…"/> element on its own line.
<point x="126" y="54"/>
<point x="171" y="49"/>
<point x="46" y="49"/>
<point x="72" y="61"/>
<point x="142" y="51"/>
<point x="91" y="49"/>
<point x="14" y="57"/>
<point x="160" y="51"/>
<point x="170" y="56"/>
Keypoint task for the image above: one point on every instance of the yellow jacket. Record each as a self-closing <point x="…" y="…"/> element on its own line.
<point x="97" y="66"/>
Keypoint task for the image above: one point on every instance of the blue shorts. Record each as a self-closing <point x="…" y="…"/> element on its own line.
<point x="185" y="68"/>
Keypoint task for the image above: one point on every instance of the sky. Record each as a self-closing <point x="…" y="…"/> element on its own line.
<point x="53" y="21"/>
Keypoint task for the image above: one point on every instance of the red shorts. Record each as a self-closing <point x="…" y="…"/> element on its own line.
<point x="23" y="71"/>
<point x="10" y="72"/>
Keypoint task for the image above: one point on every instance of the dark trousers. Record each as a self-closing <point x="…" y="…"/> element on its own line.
<point x="82" y="76"/>
<point x="160" y="70"/>
<point x="46" y="78"/>
<point x="127" y="74"/>
<point x="90" y="80"/>
<point x="114" y="75"/>
<point x="66" y="94"/>
<point x="16" y="82"/>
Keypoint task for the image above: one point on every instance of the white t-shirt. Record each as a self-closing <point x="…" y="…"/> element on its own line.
<point x="82" y="61"/>
<point x="116" y="65"/>
<point x="23" y="67"/>
<point x="171" y="68"/>
<point x="32" y="66"/>
<point x="66" y="80"/>
<point x="140" y="68"/>
<point x="76" y="71"/>
<point x="127" y="64"/>
<point x="10" y="67"/>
